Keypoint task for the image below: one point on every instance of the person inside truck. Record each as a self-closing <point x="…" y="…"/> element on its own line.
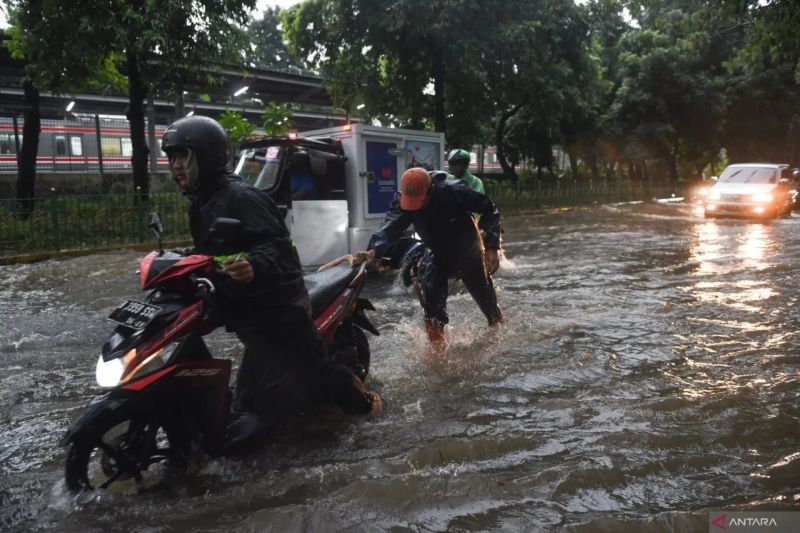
<point x="441" y="212"/>
<point x="263" y="299"/>
<point x="302" y="181"/>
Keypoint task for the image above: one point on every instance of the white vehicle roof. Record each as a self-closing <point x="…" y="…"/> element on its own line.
<point x="758" y="165"/>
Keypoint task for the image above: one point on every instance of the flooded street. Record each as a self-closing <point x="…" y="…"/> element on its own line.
<point x="647" y="372"/>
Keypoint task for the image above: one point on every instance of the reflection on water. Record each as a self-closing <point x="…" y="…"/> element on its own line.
<point x="647" y="372"/>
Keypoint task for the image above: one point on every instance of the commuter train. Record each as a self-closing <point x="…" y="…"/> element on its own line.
<point x="72" y="146"/>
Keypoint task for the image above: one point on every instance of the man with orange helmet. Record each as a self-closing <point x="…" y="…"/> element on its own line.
<point x="441" y="212"/>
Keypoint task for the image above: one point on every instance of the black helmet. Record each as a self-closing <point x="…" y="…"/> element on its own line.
<point x="205" y="138"/>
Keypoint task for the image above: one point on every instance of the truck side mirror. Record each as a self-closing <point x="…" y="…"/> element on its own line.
<point x="319" y="165"/>
<point x="300" y="160"/>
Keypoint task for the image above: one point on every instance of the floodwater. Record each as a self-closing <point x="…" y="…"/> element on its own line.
<point x="647" y="373"/>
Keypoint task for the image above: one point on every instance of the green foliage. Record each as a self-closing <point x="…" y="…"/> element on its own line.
<point x="266" y="48"/>
<point x="237" y="127"/>
<point x="276" y="119"/>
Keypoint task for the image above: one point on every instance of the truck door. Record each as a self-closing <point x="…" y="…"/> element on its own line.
<point x="318" y="206"/>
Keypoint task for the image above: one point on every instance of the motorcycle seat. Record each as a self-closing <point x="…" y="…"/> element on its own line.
<point x="323" y="287"/>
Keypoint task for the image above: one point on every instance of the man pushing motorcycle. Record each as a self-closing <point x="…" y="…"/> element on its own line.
<point x="442" y="214"/>
<point x="264" y="299"/>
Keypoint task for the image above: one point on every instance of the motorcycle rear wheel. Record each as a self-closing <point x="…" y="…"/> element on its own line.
<point x="351" y="348"/>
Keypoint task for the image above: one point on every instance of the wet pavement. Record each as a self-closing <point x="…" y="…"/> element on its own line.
<point x="647" y="372"/>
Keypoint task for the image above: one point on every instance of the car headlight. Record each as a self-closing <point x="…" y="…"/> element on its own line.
<point x="762" y="198"/>
<point x="714" y="195"/>
<point x="702" y="191"/>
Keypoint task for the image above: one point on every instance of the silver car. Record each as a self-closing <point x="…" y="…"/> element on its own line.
<point x="753" y="190"/>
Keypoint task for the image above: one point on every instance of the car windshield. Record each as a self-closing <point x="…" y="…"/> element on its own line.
<point x="749" y="175"/>
<point x="261" y="166"/>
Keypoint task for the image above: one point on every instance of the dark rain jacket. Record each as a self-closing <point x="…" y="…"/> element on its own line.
<point x="445" y="223"/>
<point x="277" y="295"/>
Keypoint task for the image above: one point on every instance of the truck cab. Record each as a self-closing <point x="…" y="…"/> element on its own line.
<point x="336" y="185"/>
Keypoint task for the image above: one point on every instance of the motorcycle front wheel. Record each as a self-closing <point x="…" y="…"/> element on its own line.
<point x="119" y="449"/>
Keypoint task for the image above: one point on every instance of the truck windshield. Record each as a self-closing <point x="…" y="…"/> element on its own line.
<point x="261" y="166"/>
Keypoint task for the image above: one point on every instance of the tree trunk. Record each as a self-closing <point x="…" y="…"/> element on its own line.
<point x="180" y="108"/>
<point x="500" y="143"/>
<point x="137" y="92"/>
<point x="439" y="72"/>
<point x="672" y="165"/>
<point x="26" y="158"/>
<point x="591" y="155"/>
<point x="573" y="162"/>
<point x="152" y="145"/>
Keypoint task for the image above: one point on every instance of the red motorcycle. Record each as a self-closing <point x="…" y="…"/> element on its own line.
<point x="167" y="394"/>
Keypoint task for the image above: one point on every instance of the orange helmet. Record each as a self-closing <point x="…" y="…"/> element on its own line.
<point x="414" y="187"/>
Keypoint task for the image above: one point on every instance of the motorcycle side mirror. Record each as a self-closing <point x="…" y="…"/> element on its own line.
<point x="157" y="225"/>
<point x="225" y="229"/>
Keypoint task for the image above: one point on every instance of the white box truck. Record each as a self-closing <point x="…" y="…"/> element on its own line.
<point x="336" y="184"/>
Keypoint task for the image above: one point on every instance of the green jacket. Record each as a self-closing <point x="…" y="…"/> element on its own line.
<point x="475" y="183"/>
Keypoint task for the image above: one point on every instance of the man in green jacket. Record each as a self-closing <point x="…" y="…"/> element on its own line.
<point x="458" y="161"/>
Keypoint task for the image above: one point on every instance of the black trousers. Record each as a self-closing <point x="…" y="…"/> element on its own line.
<point x="435" y="287"/>
<point x="286" y="369"/>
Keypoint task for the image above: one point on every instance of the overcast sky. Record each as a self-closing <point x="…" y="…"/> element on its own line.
<point x="260" y="5"/>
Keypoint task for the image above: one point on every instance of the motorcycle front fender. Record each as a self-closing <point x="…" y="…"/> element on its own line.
<point x="111" y="404"/>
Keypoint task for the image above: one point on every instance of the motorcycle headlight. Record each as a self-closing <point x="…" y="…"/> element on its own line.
<point x="112" y="373"/>
<point x="762" y="198"/>
<point x="109" y="373"/>
<point x="714" y="195"/>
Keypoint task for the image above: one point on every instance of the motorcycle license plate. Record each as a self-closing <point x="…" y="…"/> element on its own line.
<point x="135" y="315"/>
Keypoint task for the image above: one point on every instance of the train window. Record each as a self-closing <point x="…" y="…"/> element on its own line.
<point x="76" y="144"/>
<point x="110" y="146"/>
<point x="127" y="148"/>
<point x="61" y="145"/>
<point x="7" y="144"/>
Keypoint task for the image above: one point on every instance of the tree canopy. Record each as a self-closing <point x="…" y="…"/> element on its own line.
<point x="644" y="88"/>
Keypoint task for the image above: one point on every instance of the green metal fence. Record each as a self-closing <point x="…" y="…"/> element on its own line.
<point x="519" y="196"/>
<point x="88" y="222"/>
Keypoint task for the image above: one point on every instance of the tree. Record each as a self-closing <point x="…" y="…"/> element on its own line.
<point x="669" y="103"/>
<point x="266" y="48"/>
<point x="276" y="119"/>
<point x="763" y="85"/>
<point x="542" y="81"/>
<point x="151" y="41"/>
<point x="236" y="126"/>
<point x="410" y="63"/>
<point x="48" y="67"/>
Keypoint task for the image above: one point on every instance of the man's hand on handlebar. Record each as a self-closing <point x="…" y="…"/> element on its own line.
<point x="239" y="270"/>
<point x="362" y="257"/>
